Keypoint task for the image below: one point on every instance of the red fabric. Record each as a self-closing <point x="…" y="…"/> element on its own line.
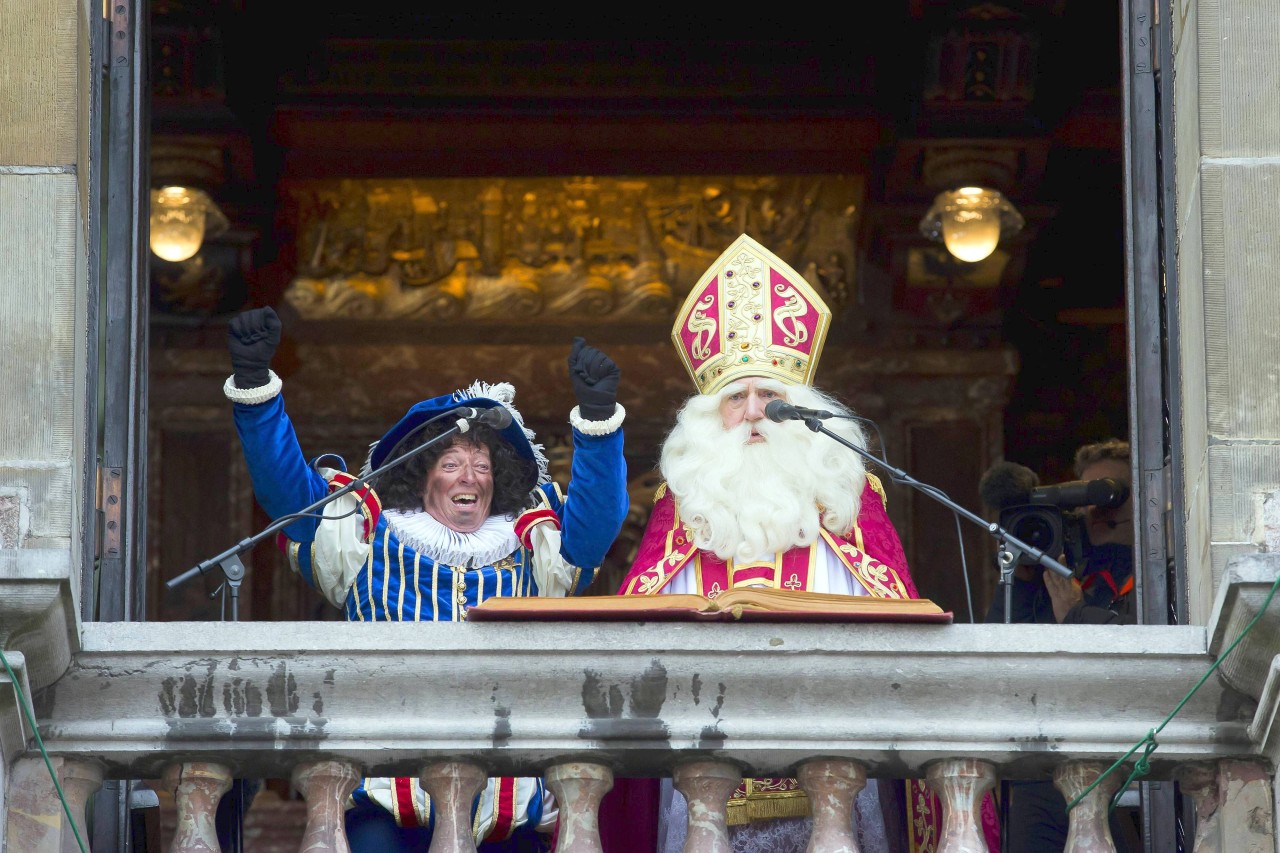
<point x="530" y="519"/>
<point x="991" y="822"/>
<point x="653" y="545"/>
<point x="504" y="810"/>
<point x="404" y="803"/>
<point x="629" y="816"/>
<point x="880" y="538"/>
<point x="372" y="506"/>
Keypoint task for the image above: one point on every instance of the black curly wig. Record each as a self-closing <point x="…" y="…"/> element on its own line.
<point x="514" y="476"/>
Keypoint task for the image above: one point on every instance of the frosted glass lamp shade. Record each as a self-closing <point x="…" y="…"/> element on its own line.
<point x="181" y="217"/>
<point x="971" y="221"/>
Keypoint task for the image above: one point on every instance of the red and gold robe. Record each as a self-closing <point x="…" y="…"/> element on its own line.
<point x="871" y="552"/>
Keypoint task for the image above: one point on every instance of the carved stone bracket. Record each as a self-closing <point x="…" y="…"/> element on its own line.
<point x="37" y="610"/>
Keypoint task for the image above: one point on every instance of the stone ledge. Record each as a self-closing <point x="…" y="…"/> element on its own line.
<point x="38" y="610"/>
<point x="517" y="697"/>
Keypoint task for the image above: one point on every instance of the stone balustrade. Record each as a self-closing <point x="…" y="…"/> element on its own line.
<point x="960" y="706"/>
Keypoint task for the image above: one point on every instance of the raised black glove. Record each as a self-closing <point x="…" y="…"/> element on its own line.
<point x="252" y="339"/>
<point x="595" y="381"/>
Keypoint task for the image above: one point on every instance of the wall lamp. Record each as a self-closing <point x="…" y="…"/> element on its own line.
<point x="181" y="217"/>
<point x="970" y="221"/>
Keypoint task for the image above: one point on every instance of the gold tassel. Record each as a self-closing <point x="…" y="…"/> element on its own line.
<point x="753" y="807"/>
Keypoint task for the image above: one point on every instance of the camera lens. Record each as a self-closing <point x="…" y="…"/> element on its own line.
<point x="1036" y="530"/>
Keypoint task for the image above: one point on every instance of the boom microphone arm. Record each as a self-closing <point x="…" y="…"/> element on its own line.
<point x="1010" y="547"/>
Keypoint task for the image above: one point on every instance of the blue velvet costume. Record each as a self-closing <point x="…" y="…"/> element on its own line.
<point x="590" y="519"/>
<point x="395" y="582"/>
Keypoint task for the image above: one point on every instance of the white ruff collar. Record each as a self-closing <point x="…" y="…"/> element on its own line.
<point x="495" y="539"/>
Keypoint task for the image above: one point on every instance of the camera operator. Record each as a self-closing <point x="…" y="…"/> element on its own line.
<point x="1098" y="548"/>
<point x="1101" y="592"/>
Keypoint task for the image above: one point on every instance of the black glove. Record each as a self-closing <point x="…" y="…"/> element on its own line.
<point x="595" y="381"/>
<point x="252" y="339"/>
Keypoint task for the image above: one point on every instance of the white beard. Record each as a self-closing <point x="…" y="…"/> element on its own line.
<point x="745" y="501"/>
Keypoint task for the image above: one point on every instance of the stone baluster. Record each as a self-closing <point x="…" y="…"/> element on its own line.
<point x="36" y="821"/>
<point x="707" y="786"/>
<point x="325" y="785"/>
<point x="1235" y="804"/>
<point x="579" y="787"/>
<point x="1089" y="822"/>
<point x="452" y="786"/>
<point x="831" y="787"/>
<point x="80" y="781"/>
<point x="197" y="787"/>
<point x="960" y="784"/>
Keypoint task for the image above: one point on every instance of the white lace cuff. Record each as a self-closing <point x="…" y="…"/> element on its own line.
<point x="587" y="427"/>
<point x="252" y="396"/>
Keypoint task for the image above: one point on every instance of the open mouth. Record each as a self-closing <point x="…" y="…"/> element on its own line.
<point x="464" y="500"/>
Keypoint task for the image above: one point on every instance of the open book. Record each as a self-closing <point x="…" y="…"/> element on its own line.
<point x="744" y="604"/>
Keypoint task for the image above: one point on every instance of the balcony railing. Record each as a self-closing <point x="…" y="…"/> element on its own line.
<point x="582" y="703"/>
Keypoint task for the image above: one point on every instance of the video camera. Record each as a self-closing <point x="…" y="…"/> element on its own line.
<point x="1049" y="518"/>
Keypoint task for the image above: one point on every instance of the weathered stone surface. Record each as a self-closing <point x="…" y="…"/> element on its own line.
<point x="516" y="697"/>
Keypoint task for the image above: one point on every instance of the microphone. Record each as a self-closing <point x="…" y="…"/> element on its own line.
<point x="497" y="417"/>
<point x="1106" y="492"/>
<point x="1007" y="484"/>
<point x="778" y="411"/>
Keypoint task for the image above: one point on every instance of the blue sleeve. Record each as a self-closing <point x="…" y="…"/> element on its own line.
<point x="596" y="502"/>
<point x="283" y="483"/>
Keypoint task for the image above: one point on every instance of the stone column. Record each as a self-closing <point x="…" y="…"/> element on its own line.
<point x="960" y="784"/>
<point x="707" y="786"/>
<point x="579" y="787"/>
<point x="1235" y="805"/>
<point x="325" y="785"/>
<point x="452" y="785"/>
<point x="35" y="820"/>
<point x="831" y="787"/>
<point x="80" y="781"/>
<point x="197" y="787"/>
<point x="1089" y="822"/>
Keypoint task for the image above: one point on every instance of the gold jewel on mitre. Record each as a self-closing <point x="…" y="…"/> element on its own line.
<point x="750" y="314"/>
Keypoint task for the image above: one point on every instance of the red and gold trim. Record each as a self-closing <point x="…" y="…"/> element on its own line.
<point x="370" y="506"/>
<point x="530" y="519"/>
<point x="504" y="810"/>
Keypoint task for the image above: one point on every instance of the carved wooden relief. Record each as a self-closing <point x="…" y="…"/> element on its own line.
<point x="601" y="248"/>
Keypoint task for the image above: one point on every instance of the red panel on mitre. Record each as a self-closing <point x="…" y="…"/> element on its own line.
<point x="699" y="336"/>
<point x="793" y="318"/>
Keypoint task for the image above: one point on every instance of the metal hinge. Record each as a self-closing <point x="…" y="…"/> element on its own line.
<point x="119" y="32"/>
<point x="110" y="511"/>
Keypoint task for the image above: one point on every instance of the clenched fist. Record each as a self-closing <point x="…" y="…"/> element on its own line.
<point x="252" y="339"/>
<point x="595" y="381"/>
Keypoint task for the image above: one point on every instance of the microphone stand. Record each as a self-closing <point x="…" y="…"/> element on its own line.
<point x="1011" y="548"/>
<point x="233" y="569"/>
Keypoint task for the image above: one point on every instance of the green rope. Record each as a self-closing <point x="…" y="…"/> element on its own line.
<point x="26" y="710"/>
<point x="1142" y="766"/>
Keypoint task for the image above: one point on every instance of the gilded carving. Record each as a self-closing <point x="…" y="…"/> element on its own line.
<point x="604" y="248"/>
